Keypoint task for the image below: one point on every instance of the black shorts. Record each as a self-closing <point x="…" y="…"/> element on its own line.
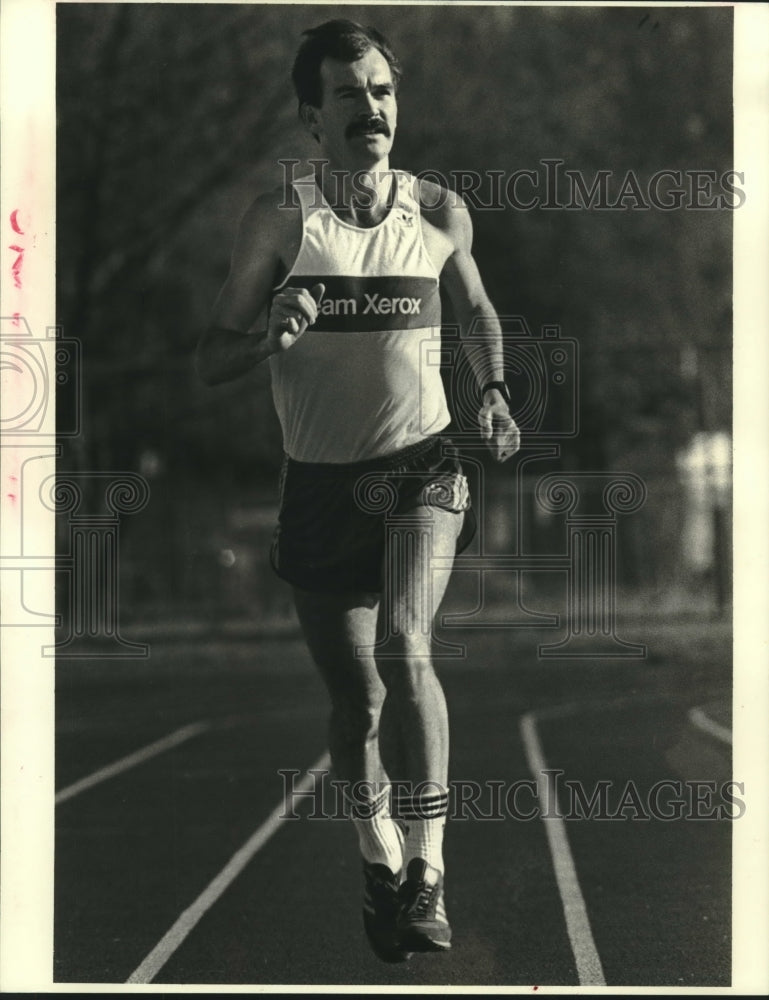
<point x="332" y="523"/>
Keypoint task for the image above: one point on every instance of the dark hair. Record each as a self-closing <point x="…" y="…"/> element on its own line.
<point x="346" y="41"/>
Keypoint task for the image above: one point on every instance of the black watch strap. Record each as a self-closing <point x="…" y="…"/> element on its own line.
<point x="501" y="386"/>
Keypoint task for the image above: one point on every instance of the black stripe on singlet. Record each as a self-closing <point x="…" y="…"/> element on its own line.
<point x="353" y="304"/>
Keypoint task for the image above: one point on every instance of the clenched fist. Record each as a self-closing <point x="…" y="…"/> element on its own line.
<point x="293" y="310"/>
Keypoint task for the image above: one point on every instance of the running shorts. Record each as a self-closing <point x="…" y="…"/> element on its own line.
<point x="332" y="523"/>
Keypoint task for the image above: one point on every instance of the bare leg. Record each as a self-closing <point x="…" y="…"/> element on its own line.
<point x="334" y="626"/>
<point x="391" y="736"/>
<point x="414" y="713"/>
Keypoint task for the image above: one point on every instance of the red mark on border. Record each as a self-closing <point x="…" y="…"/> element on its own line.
<point x="15" y="222"/>
<point x="16" y="266"/>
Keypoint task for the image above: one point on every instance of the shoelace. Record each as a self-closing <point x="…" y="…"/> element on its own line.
<point x="424" y="898"/>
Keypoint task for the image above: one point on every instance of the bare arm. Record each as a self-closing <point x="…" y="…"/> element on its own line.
<point x="480" y="330"/>
<point x="223" y="355"/>
<point x="227" y="349"/>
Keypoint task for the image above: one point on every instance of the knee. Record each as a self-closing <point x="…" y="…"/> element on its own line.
<point x="408" y="675"/>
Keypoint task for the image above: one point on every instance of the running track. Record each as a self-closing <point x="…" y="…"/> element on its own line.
<point x="173" y="864"/>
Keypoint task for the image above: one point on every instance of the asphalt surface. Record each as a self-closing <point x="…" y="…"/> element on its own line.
<point x="137" y="849"/>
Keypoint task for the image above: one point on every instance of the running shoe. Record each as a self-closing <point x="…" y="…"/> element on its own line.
<point x="380" y="911"/>
<point x="421" y="922"/>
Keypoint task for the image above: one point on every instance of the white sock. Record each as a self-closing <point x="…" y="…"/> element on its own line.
<point x="424" y="814"/>
<point x="379" y="839"/>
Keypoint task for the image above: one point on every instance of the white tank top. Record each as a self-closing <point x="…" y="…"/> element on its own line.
<point x="364" y="380"/>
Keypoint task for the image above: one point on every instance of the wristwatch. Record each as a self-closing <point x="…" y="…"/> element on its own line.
<point x="502" y="387"/>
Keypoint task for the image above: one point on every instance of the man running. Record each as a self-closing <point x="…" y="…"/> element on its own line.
<point x="374" y="504"/>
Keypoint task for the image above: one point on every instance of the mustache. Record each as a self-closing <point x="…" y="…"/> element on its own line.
<point x="367" y="125"/>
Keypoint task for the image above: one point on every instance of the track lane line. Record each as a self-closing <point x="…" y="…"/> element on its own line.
<point x="132" y="760"/>
<point x="702" y="721"/>
<point x="189" y="918"/>
<point x="586" y="957"/>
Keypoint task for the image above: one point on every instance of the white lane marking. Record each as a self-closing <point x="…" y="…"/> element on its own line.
<point x="589" y="968"/>
<point x="698" y="718"/>
<point x="132" y="760"/>
<point x="188" y="919"/>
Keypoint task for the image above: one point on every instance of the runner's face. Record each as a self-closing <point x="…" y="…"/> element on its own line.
<point x="359" y="111"/>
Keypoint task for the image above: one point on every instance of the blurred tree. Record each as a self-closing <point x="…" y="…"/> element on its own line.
<point x="160" y="110"/>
